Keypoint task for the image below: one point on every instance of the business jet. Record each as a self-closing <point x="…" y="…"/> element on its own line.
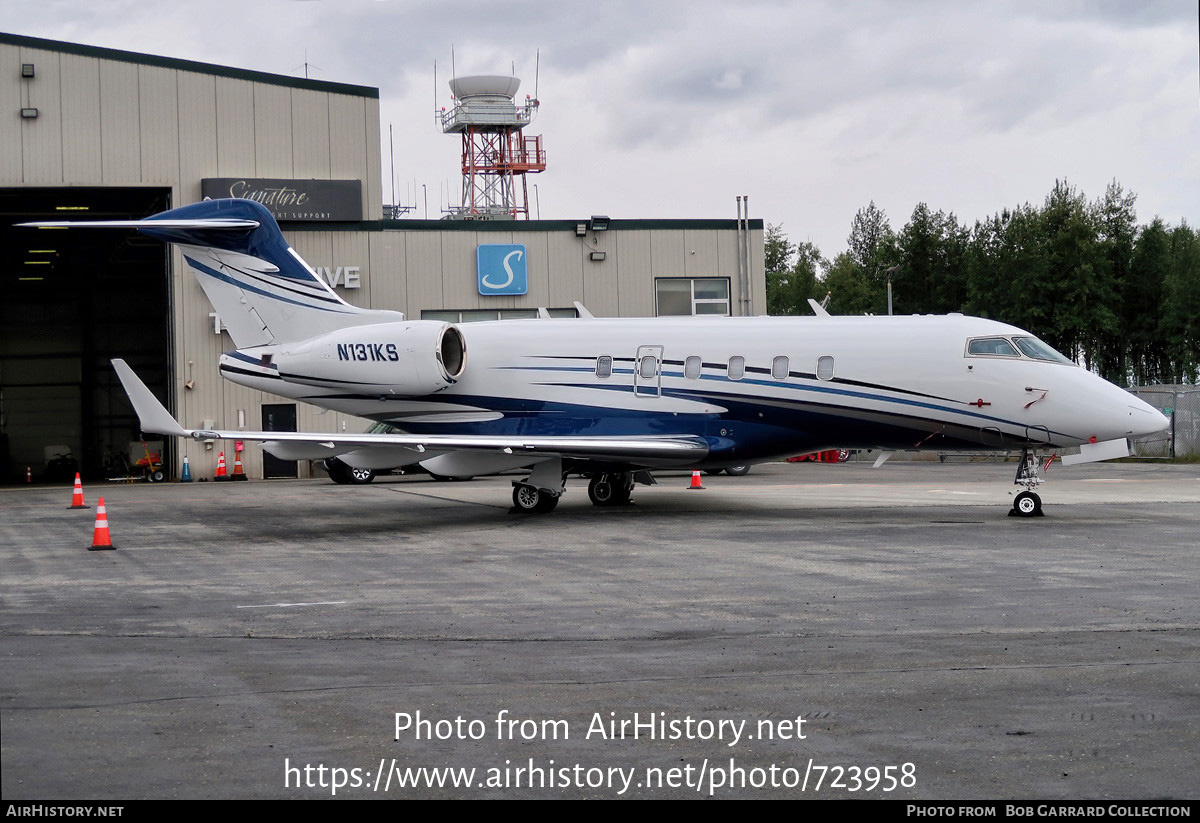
<point x="613" y="399"/>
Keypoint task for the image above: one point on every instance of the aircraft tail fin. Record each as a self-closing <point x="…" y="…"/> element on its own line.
<point x="262" y="289"/>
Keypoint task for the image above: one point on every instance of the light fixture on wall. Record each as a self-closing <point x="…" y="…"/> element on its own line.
<point x="29" y="114"/>
<point x="27" y="70"/>
<point x="598" y="223"/>
<point x="581" y="229"/>
<point x="597" y="256"/>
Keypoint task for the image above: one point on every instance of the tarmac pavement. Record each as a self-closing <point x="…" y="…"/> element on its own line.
<point x="809" y="630"/>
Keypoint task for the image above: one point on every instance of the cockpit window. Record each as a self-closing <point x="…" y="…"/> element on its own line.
<point x="1032" y="347"/>
<point x="1018" y="346"/>
<point x="992" y="346"/>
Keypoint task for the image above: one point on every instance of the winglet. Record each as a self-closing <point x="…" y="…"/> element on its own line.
<point x="151" y="414"/>
<point x="817" y="308"/>
<point x="583" y="312"/>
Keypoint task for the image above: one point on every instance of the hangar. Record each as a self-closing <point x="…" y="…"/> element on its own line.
<point x="96" y="133"/>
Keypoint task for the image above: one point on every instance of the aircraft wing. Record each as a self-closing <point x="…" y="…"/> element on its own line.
<point x="153" y="417"/>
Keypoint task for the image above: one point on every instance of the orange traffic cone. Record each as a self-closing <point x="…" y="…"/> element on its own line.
<point x="100" y="538"/>
<point x="221" y="475"/>
<point x="77" y="496"/>
<point x="695" y="481"/>
<point x="238" y="472"/>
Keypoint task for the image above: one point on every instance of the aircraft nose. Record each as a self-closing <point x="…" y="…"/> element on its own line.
<point x="1145" y="419"/>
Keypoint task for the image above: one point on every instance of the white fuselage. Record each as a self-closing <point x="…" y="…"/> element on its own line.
<point x="755" y="388"/>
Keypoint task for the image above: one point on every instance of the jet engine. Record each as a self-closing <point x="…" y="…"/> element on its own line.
<point x="409" y="358"/>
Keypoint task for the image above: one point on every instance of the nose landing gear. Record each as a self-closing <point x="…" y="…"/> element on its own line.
<point x="1029" y="477"/>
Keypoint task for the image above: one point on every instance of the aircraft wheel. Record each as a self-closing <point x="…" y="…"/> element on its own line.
<point x="532" y="500"/>
<point x="604" y="492"/>
<point x="737" y="471"/>
<point x="339" y="472"/>
<point x="1027" y="504"/>
<point x="601" y="491"/>
<point x="360" y="476"/>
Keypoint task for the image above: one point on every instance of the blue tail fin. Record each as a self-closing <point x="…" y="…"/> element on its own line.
<point x="262" y="289"/>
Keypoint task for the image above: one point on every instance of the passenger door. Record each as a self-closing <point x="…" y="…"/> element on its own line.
<point x="647" y="371"/>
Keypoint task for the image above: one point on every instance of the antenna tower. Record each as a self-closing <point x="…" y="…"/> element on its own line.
<point x="496" y="156"/>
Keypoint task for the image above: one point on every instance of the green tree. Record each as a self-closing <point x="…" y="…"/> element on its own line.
<point x="1181" y="310"/>
<point x="1145" y="357"/>
<point x="870" y="237"/>
<point x="850" y="291"/>
<point x="1006" y="265"/>
<point x="930" y="277"/>
<point x="777" y="257"/>
<point x="856" y="278"/>
<point x="1046" y="270"/>
<point x="1077" y="294"/>
<point x="792" y="273"/>
<point x="1117" y="234"/>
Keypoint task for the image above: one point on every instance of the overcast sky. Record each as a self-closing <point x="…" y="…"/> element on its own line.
<point x="673" y="109"/>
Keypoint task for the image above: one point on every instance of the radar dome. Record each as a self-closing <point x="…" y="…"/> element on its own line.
<point x="485" y="85"/>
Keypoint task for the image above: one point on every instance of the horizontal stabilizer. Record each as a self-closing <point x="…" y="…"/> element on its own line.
<point x="213" y="223"/>
<point x="262" y="290"/>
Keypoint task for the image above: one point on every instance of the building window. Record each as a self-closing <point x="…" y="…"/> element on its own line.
<point x="475" y="315"/>
<point x="691" y="368"/>
<point x="676" y="296"/>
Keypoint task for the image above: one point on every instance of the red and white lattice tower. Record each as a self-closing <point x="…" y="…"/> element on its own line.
<point x="496" y="156"/>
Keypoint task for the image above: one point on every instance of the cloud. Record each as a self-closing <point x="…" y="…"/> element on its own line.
<point x="673" y="108"/>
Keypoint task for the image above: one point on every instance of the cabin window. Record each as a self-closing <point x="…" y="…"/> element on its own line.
<point x="779" y="368"/>
<point x="675" y="296"/>
<point x="737" y="367"/>
<point x="825" y="367"/>
<point x="691" y="368"/>
<point x="648" y="367"/>
<point x="991" y="347"/>
<point x="604" y="366"/>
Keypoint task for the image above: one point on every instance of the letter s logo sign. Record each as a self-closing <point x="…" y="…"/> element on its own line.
<point x="507" y="263"/>
<point x="501" y="269"/>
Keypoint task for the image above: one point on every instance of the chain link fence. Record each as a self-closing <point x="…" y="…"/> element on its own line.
<point x="1181" y="404"/>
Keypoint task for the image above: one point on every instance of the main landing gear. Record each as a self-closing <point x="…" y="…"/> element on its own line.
<point x="612" y="489"/>
<point x="1029" y="477"/>
<point x="528" y="499"/>
<point x="540" y="491"/>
